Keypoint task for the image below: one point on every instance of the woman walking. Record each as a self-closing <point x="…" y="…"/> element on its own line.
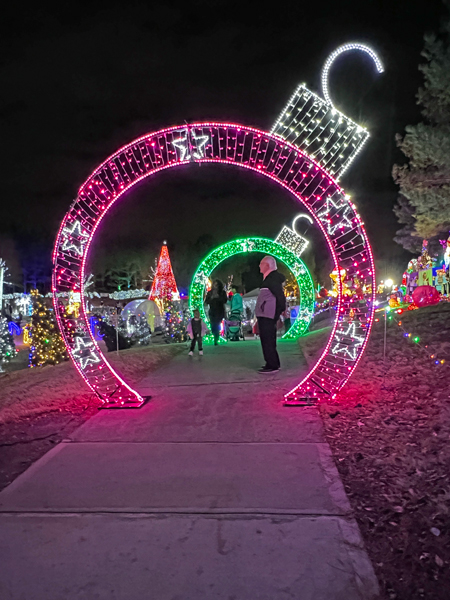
<point x="216" y="299"/>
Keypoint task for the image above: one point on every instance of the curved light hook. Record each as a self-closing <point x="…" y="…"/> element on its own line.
<point x="301" y="216"/>
<point x="330" y="60"/>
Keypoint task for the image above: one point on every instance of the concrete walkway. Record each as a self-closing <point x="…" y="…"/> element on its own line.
<point x="213" y="490"/>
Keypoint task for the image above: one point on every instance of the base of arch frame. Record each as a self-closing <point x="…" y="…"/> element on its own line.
<point x="111" y="405"/>
<point x="300" y="401"/>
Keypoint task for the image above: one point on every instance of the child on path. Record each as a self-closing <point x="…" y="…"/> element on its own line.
<point x="196" y="330"/>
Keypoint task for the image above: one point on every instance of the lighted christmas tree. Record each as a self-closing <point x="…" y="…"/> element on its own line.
<point x="47" y="346"/>
<point x="7" y="347"/>
<point x="175" y="326"/>
<point x="164" y="287"/>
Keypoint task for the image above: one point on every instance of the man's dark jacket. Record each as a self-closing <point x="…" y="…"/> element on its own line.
<point x="271" y="300"/>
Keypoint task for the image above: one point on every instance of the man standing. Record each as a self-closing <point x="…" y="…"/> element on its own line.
<point x="270" y="304"/>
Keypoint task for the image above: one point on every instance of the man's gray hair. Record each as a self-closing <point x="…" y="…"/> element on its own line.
<point x="271" y="262"/>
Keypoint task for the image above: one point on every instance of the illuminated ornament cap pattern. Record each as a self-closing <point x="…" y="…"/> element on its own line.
<point x="318" y="128"/>
<point x="229" y="144"/>
<point x="291" y="239"/>
<point x="164" y="287"/>
<point x="290" y="259"/>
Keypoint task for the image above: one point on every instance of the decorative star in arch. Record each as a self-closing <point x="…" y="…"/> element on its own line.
<point x="83" y="352"/>
<point x="350" y="350"/>
<point x="183" y="145"/>
<point x="341" y="220"/>
<point x="75" y="238"/>
<point x="248" y="246"/>
<point x="202" y="277"/>
<point x="305" y="313"/>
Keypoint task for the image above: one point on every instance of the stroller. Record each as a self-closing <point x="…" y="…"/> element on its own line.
<point x="234" y="330"/>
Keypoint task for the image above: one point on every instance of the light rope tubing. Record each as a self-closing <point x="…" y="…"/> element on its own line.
<point x="333" y="56"/>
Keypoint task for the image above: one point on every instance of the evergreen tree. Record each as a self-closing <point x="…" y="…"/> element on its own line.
<point x="424" y="204"/>
<point x="407" y="236"/>
<point x="175" y="325"/>
<point x="7" y="346"/>
<point x="47" y="346"/>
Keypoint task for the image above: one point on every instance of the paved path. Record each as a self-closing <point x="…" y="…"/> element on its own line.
<point x="213" y="490"/>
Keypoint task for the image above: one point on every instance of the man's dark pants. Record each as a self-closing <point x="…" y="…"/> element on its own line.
<point x="268" y="334"/>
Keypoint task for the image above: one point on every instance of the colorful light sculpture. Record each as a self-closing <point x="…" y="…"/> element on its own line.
<point x="164" y="287"/>
<point x="253" y="244"/>
<point x="309" y="144"/>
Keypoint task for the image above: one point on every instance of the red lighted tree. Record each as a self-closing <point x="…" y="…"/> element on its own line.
<point x="164" y="287"/>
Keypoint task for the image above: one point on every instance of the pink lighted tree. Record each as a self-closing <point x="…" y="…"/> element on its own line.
<point x="164" y="287"/>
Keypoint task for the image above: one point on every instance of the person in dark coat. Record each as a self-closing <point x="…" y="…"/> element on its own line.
<point x="216" y="299"/>
<point x="270" y="304"/>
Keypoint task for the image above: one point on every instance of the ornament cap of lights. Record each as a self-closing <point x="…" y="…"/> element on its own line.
<point x="291" y="239"/>
<point x="318" y="127"/>
<point x="308" y="148"/>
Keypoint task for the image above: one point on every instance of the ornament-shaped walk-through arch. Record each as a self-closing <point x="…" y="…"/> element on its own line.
<point x="267" y="154"/>
<point x="253" y="244"/>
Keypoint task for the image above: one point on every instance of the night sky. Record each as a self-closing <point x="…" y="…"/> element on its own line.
<point x="81" y="80"/>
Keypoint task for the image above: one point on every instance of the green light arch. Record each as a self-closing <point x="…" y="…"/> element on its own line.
<point x="256" y="244"/>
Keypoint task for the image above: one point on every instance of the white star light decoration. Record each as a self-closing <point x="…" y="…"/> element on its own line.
<point x="248" y="246"/>
<point x="201" y="278"/>
<point x="305" y="314"/>
<point x="183" y="145"/>
<point x="75" y="238"/>
<point x="81" y="347"/>
<point x="350" y="350"/>
<point x="341" y="221"/>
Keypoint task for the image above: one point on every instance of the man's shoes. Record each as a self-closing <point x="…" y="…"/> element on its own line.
<point x="267" y="370"/>
<point x="200" y="352"/>
<point x="191" y="353"/>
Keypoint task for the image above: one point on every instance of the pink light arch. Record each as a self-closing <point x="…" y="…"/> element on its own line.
<point x="247" y="147"/>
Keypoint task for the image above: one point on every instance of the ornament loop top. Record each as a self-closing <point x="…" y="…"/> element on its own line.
<point x="301" y="216"/>
<point x="330" y="60"/>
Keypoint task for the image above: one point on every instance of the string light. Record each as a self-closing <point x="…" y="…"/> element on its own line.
<point x="7" y="346"/>
<point x="184" y="144"/>
<point x="164" y="287"/>
<point x="47" y="346"/>
<point x="27" y="339"/>
<point x="353" y="343"/>
<point x="175" y="324"/>
<point x="333" y="56"/>
<point x="415" y="339"/>
<point x="74" y="239"/>
<point x="291" y="239"/>
<point x="333" y="139"/>
<point x="316" y="126"/>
